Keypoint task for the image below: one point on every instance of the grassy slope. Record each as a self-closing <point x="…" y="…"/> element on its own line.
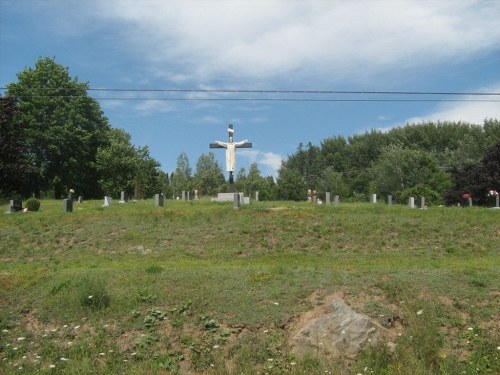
<point x="203" y="286"/>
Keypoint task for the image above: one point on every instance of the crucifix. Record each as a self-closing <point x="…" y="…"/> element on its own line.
<point x="231" y="147"/>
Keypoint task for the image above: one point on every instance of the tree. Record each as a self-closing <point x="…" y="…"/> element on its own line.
<point x="15" y="170"/>
<point x="117" y="164"/>
<point x="208" y="178"/>
<point x="333" y="182"/>
<point x="476" y="179"/>
<point x="181" y="178"/>
<point x="65" y="127"/>
<point x="123" y="167"/>
<point x="291" y="185"/>
<point x="401" y="168"/>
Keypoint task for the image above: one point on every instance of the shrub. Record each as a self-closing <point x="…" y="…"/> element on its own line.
<point x="33" y="204"/>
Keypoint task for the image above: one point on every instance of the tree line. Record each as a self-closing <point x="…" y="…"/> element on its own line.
<point x="61" y="140"/>
<point x="441" y="161"/>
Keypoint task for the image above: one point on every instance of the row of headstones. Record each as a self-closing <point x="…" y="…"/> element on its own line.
<point x="312" y="197"/>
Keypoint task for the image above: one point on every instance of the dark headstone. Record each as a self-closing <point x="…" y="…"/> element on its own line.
<point x="159" y="200"/>
<point x="67" y="205"/>
<point x="16" y="205"/>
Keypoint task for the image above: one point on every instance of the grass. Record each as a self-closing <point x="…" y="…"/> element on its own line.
<point x="202" y="288"/>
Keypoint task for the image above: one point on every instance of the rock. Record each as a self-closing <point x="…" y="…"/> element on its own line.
<point x="341" y="333"/>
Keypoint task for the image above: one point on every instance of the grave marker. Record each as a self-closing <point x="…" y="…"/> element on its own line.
<point x="236" y="200"/>
<point x="327" y="198"/>
<point x="67" y="205"/>
<point x="122" y="197"/>
<point x="336" y="201"/>
<point x="389" y="200"/>
<point x="159" y="200"/>
<point x="374" y="198"/>
<point x="411" y="202"/>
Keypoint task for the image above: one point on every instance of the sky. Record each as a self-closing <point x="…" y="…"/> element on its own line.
<point x="274" y="69"/>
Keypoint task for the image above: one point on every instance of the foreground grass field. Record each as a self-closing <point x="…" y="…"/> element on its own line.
<point x="198" y="287"/>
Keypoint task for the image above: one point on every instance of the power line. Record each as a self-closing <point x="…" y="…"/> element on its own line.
<point x="277" y="91"/>
<point x="262" y="99"/>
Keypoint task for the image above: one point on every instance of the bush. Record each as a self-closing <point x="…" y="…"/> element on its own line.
<point x="33" y="204"/>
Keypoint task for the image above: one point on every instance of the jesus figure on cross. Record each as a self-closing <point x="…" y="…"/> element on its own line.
<point x="231" y="147"/>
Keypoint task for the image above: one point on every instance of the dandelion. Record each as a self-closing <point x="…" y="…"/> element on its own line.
<point x="419" y="312"/>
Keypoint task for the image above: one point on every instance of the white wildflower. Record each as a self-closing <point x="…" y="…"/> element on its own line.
<point x="64" y="359"/>
<point x="470" y="329"/>
<point x="20" y="338"/>
<point x="52" y="366"/>
<point x="76" y="327"/>
<point x="419" y="312"/>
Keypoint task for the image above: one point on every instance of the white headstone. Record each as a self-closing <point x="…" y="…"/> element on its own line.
<point x="411" y="202"/>
<point x="107" y="201"/>
<point x="122" y="197"/>
<point x="327" y="198"/>
<point x="336" y="201"/>
<point x="374" y="198"/>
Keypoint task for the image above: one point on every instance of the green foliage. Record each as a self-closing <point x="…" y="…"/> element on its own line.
<point x="208" y="178"/>
<point x="291" y="185"/>
<point x="32" y="204"/>
<point x="65" y="127"/>
<point x="15" y="170"/>
<point x="431" y="197"/>
<point x="181" y="178"/>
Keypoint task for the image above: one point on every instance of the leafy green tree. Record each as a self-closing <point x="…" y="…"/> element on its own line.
<point x="291" y="185"/>
<point x="182" y="176"/>
<point x="123" y="167"/>
<point x="16" y="173"/>
<point x="117" y="164"/>
<point x="208" y="178"/>
<point x="148" y="178"/>
<point x="333" y="182"/>
<point x="401" y="168"/>
<point x="65" y="127"/>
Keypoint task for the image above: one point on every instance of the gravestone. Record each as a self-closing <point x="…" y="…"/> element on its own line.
<point x="422" y="202"/>
<point x="107" y="201"/>
<point x="183" y="195"/>
<point x="15" y="205"/>
<point x="470" y="201"/>
<point x="411" y="202"/>
<point x="314" y="197"/>
<point x="68" y="205"/>
<point x="236" y="200"/>
<point x="80" y="199"/>
<point x="159" y="200"/>
<point x="188" y="195"/>
<point x="327" y="198"/>
<point x="256" y="196"/>
<point x="309" y="195"/>
<point x="389" y="200"/>
<point x="374" y="198"/>
<point x="196" y="197"/>
<point x="336" y="201"/>
<point x="122" y="197"/>
<point x="497" y="201"/>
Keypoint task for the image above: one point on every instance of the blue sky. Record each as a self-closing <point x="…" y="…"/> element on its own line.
<point x="428" y="46"/>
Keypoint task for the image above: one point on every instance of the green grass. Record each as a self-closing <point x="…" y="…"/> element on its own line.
<point x="204" y="288"/>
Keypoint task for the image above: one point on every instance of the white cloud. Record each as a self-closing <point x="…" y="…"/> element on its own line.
<point x="268" y="162"/>
<point x="259" y="40"/>
<point x="473" y="112"/>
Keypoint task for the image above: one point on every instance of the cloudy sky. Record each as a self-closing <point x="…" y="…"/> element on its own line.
<point x="283" y="72"/>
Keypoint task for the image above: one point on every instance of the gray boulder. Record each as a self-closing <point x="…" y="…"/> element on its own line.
<point x="340" y="333"/>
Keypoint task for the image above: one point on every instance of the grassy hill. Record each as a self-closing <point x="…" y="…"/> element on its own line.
<point x="198" y="287"/>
